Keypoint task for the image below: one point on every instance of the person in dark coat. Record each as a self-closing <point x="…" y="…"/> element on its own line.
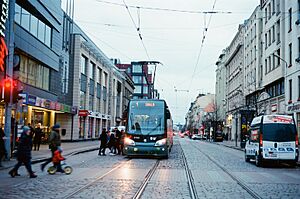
<point x="24" y="153"/>
<point x="112" y="143"/>
<point x="2" y="145"/>
<point x="54" y="142"/>
<point x="118" y="140"/>
<point x="38" y="132"/>
<point x="103" y="142"/>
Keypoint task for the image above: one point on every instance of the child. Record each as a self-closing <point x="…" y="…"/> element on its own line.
<point x="57" y="158"/>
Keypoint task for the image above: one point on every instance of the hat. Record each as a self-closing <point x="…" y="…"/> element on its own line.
<point x="25" y="129"/>
<point x="56" y="126"/>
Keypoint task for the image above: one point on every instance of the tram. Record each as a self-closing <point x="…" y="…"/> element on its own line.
<point x="149" y="130"/>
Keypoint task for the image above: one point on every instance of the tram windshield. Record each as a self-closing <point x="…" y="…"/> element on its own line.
<point x="146" y="117"/>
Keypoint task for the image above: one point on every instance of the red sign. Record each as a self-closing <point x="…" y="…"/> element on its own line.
<point x="3" y="53"/>
<point x="83" y="113"/>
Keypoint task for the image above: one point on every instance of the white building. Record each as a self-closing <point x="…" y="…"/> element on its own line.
<point x="292" y="58"/>
<point x="234" y="83"/>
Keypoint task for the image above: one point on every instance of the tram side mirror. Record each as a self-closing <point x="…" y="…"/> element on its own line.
<point x="168" y="115"/>
<point x="63" y="132"/>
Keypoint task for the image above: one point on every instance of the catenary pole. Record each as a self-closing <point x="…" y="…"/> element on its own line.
<point x="9" y="73"/>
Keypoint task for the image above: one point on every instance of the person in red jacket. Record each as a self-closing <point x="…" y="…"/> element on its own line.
<point x="57" y="158"/>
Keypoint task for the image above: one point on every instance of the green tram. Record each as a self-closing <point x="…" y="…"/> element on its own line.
<point x="149" y="130"/>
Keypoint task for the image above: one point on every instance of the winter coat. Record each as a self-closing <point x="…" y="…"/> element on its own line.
<point x="37" y="135"/>
<point x="103" y="138"/>
<point x="54" y="139"/>
<point x="112" y="140"/>
<point x="57" y="157"/>
<point x="24" y="147"/>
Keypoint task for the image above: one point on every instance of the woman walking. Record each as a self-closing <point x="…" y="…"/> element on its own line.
<point x="24" y="153"/>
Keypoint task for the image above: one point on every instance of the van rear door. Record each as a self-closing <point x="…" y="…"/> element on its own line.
<point x="279" y="141"/>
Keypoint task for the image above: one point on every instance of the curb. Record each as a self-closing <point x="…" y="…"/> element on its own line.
<point x="39" y="160"/>
<point x="236" y="148"/>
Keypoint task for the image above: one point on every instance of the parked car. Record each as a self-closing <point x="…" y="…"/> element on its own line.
<point x="272" y="138"/>
<point x="196" y="137"/>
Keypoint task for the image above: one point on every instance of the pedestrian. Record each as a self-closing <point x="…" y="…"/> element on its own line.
<point x="118" y="140"/>
<point x="122" y="141"/>
<point x="2" y="145"/>
<point x="54" y="142"/>
<point x="38" y="132"/>
<point x="57" y="158"/>
<point x="24" y="153"/>
<point x="112" y="143"/>
<point x="103" y="142"/>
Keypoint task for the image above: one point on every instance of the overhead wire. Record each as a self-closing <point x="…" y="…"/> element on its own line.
<point x="137" y="29"/>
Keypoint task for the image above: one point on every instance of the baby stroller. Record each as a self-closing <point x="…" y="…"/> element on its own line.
<point x="66" y="168"/>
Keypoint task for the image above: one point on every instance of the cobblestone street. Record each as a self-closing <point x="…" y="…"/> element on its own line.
<point x="216" y="172"/>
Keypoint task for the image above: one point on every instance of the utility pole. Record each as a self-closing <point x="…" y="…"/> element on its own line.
<point x="9" y="74"/>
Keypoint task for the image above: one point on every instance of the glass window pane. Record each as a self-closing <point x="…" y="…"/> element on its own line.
<point x="48" y="36"/>
<point x="25" y="19"/>
<point x="46" y="78"/>
<point x="18" y="14"/>
<point x="83" y="65"/>
<point x="33" y="25"/>
<point x="41" y="32"/>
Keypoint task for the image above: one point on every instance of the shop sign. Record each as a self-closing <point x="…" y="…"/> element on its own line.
<point x="31" y="100"/>
<point x="24" y="96"/>
<point x="47" y="104"/>
<point x="274" y="107"/>
<point x="52" y="105"/>
<point x="74" y="109"/>
<point x="83" y="113"/>
<point x="39" y="101"/>
<point x="57" y="106"/>
<point x="294" y="108"/>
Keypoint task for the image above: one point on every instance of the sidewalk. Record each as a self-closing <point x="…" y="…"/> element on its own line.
<point x="231" y="144"/>
<point x="69" y="148"/>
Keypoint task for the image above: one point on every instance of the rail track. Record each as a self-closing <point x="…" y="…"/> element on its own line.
<point x="236" y="179"/>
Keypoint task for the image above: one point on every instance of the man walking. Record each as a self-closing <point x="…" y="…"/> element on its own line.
<point x="103" y="142"/>
<point x="37" y="137"/>
<point x="54" y="142"/>
<point x="24" y="153"/>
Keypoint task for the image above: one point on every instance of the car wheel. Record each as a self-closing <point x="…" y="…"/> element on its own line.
<point x="258" y="160"/>
<point x="246" y="158"/>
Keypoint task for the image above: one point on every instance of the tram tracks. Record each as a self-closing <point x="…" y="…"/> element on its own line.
<point x="233" y="177"/>
<point x="190" y="179"/>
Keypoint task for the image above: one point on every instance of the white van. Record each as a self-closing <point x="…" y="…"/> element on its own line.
<point x="272" y="137"/>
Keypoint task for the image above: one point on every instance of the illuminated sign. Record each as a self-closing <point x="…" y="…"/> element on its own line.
<point x="151" y="104"/>
<point x="4" y="16"/>
<point x="3" y="53"/>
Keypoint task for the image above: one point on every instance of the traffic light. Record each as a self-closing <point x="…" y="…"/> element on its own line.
<point x="7" y="84"/>
<point x="16" y="92"/>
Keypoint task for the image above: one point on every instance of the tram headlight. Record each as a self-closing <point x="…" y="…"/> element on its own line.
<point x="128" y="141"/>
<point x="161" y="142"/>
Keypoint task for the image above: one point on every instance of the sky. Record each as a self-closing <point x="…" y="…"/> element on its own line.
<point x="177" y="33"/>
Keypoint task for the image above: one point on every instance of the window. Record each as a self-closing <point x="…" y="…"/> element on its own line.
<point x="290" y="54"/>
<point x="261" y="72"/>
<point x="278" y="7"/>
<point x="34" y="26"/>
<point x="290" y="19"/>
<point x="92" y="70"/>
<point x="266" y="15"/>
<point x="273" y="7"/>
<point x="298" y="47"/>
<point x="99" y="71"/>
<point x="137" y="69"/>
<point x="290" y="89"/>
<point x="269" y="9"/>
<point x="270" y="63"/>
<point x="266" y="41"/>
<point x="83" y="64"/>
<point x="41" y="31"/>
<point x="34" y="73"/>
<point x="82" y="100"/>
<point x="137" y="79"/>
<point x="138" y="89"/>
<point x="270" y="36"/>
<point x="278" y="31"/>
<point x="273" y="34"/>
<point x="91" y="103"/>
<point x="273" y="62"/>
<point x="98" y="90"/>
<point x="48" y="36"/>
<point x="18" y="10"/>
<point x="266" y="66"/>
<point x="92" y="87"/>
<point x="278" y="59"/>
<point x="145" y="90"/>
<point x="25" y="19"/>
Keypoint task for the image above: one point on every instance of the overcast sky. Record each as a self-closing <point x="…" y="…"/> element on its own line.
<point x="174" y="38"/>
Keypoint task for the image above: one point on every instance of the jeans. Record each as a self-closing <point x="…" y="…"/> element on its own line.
<point x="27" y="163"/>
